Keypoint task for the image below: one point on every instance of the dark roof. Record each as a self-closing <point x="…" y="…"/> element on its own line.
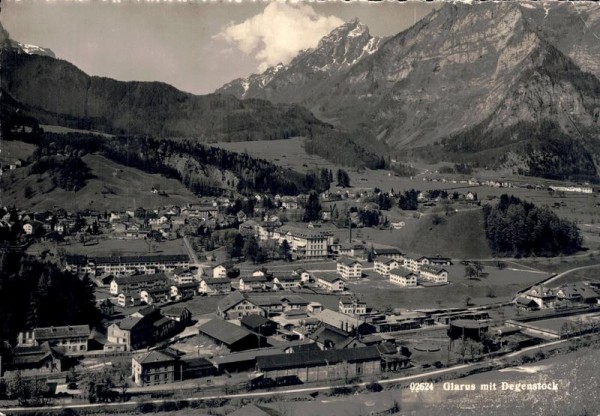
<point x="148" y="310"/>
<point x="175" y="310"/>
<point x="155" y="356"/>
<point x="230" y="301"/>
<point x="224" y="331"/>
<point x="304" y="347"/>
<point x="197" y="363"/>
<point x="329" y="277"/>
<point x="288" y="278"/>
<point x="61" y="332"/>
<point x="254" y="321"/>
<point x="162" y="321"/>
<point x="254" y="279"/>
<point x="140" y="278"/>
<point x="314" y="358"/>
<point x="160" y="258"/>
<point x="329" y="333"/>
<point x="157" y="290"/>
<point x="401" y="271"/>
<point x="348" y="262"/>
<point x="526" y="301"/>
<point x="76" y="259"/>
<point x="33" y="354"/>
<point x="185" y="286"/>
<point x="386" y="348"/>
<point x="385" y="260"/>
<point x="129" y="323"/>
<point x="432" y="269"/>
<point x="303" y="232"/>
<point x="386" y="251"/>
<point x="215" y="281"/>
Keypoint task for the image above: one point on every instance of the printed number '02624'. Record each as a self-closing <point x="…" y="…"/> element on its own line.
<point x="416" y="387"/>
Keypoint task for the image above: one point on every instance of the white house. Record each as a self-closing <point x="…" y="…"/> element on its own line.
<point x="383" y="265"/>
<point x="403" y="277"/>
<point x="352" y="306"/>
<point x="288" y="282"/>
<point x="250" y="283"/>
<point x="210" y="286"/>
<point x="433" y="274"/>
<point x="330" y="281"/>
<point x="219" y="271"/>
<point x="349" y="268"/>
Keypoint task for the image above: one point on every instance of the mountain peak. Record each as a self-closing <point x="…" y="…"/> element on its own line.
<point x="7" y="43"/>
<point x="344" y="46"/>
<point x="351" y="29"/>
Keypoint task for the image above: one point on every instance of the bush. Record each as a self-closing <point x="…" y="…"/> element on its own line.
<point x="341" y="391"/>
<point x="145" y="408"/>
<point x="374" y="387"/>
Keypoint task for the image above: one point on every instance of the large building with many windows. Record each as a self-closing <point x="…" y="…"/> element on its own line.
<point x="126" y="265"/>
<point x="153" y="368"/>
<point x="304" y="242"/>
<point x="72" y="338"/>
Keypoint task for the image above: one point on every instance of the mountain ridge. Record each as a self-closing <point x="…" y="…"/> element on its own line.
<point x="462" y="67"/>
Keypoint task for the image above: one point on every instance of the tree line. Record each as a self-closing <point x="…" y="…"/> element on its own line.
<point x="38" y="294"/>
<point x="517" y="228"/>
<point x="153" y="155"/>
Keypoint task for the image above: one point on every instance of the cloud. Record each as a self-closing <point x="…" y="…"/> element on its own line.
<point x="279" y="32"/>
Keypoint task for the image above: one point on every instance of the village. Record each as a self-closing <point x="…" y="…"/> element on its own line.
<point x="291" y="297"/>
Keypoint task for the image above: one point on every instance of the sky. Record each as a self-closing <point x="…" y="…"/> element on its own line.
<point x="197" y="47"/>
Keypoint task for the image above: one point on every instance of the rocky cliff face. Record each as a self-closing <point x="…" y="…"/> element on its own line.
<point x="451" y="71"/>
<point x="311" y="69"/>
<point x="464" y="74"/>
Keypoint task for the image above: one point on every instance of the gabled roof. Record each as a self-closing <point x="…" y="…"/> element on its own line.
<point x="540" y="292"/>
<point x="215" y="281"/>
<point x="175" y="310"/>
<point x="230" y="301"/>
<point x="155" y="356"/>
<point x="328" y="277"/>
<point x="254" y="321"/>
<point x="402" y="271"/>
<point x="148" y="310"/>
<point x="311" y="358"/>
<point x="387" y="251"/>
<point x="61" y="332"/>
<point x="348" y="262"/>
<point x="162" y="321"/>
<point x="224" y="331"/>
<point x="140" y="278"/>
<point x="385" y="260"/>
<point x="288" y="278"/>
<point x="254" y="279"/>
<point x="160" y="258"/>
<point x="430" y="268"/>
<point x="329" y="333"/>
<point x="129" y="323"/>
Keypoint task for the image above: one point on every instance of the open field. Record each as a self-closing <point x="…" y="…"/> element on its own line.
<point x="498" y="286"/>
<point x="115" y="187"/>
<point x="555" y="325"/>
<point x="286" y="153"/>
<point x="64" y="130"/>
<point x="13" y="150"/>
<point x="590" y="275"/>
<point x="115" y="247"/>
